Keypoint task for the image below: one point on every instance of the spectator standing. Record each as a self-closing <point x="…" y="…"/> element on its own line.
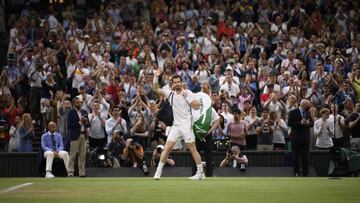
<point x="36" y="77"/>
<point x="84" y="98"/>
<point x="324" y="130"/>
<point x="339" y="126"/>
<point x="354" y="125"/>
<point x="78" y="122"/>
<point x="97" y="132"/>
<point x="26" y="132"/>
<point x="139" y="130"/>
<point x="280" y="131"/>
<point x="300" y="122"/>
<point x="115" y="123"/>
<point x="251" y="124"/>
<point x="265" y="130"/>
<point x="237" y="131"/>
<point x="228" y="117"/>
<point x="14" y="135"/>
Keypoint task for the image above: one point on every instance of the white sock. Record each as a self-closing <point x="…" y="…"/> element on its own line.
<point x="199" y="167"/>
<point x="160" y="166"/>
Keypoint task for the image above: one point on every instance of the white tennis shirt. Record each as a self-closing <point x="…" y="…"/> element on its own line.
<point x="181" y="107"/>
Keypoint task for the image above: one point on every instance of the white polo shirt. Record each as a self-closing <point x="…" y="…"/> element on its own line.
<point x="181" y="107"/>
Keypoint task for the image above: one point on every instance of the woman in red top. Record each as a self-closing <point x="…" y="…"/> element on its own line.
<point x="12" y="111"/>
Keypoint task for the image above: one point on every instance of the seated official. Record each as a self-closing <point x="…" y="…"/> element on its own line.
<point x="52" y="144"/>
<point x="235" y="159"/>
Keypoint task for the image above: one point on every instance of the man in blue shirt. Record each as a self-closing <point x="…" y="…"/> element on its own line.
<point x="52" y="144"/>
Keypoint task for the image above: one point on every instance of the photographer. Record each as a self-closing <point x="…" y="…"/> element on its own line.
<point x="156" y="157"/>
<point x="235" y="159"/>
<point x="133" y="153"/>
<point x="116" y="148"/>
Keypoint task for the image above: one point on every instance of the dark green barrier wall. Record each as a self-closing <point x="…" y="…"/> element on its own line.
<point x="26" y="165"/>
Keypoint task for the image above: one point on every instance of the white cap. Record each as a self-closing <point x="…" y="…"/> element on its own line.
<point x="160" y="146"/>
<point x="228" y="67"/>
<point x="191" y="35"/>
<point x="243" y="25"/>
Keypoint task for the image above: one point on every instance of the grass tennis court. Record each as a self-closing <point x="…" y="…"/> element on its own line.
<point x="170" y="190"/>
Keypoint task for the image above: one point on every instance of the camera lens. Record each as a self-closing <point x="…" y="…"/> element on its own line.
<point x="145" y="169"/>
<point x="242" y="167"/>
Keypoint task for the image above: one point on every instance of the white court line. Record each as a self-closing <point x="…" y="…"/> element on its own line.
<point x="10" y="189"/>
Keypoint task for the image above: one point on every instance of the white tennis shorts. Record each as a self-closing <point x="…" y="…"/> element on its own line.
<point x="177" y="132"/>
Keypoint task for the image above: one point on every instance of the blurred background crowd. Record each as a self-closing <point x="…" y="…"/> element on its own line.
<point x="256" y="59"/>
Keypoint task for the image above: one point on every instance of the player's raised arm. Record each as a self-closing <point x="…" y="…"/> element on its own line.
<point x="156" y="86"/>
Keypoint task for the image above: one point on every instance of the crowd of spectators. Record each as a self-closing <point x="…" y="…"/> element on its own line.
<point x="256" y="59"/>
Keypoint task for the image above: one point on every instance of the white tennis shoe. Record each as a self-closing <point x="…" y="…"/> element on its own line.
<point x="198" y="176"/>
<point x="157" y="174"/>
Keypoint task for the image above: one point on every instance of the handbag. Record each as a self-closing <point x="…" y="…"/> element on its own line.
<point x="165" y="113"/>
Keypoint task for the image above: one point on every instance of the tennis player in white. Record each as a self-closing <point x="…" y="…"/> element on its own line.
<point x="183" y="101"/>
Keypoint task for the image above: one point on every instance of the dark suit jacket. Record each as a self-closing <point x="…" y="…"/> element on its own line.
<point x="74" y="127"/>
<point x="299" y="133"/>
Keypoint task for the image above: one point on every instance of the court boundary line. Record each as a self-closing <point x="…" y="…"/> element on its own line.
<point x="11" y="189"/>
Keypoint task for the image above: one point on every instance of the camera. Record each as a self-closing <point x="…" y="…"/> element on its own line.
<point x="242" y="167"/>
<point x="266" y="128"/>
<point x="98" y="157"/>
<point x="134" y="145"/>
<point x="145" y="168"/>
